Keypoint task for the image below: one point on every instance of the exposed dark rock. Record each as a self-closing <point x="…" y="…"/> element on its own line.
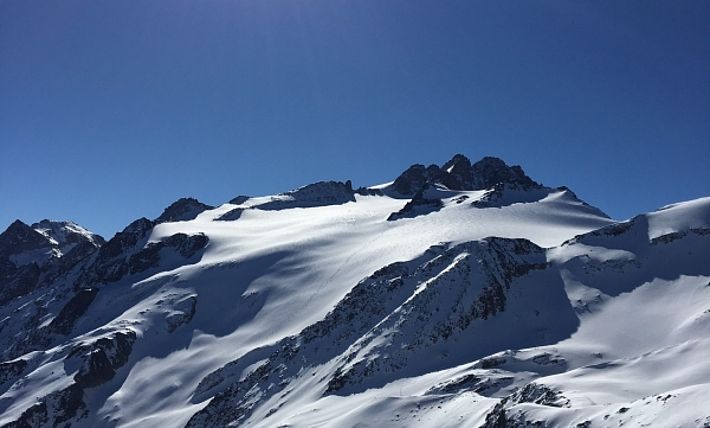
<point x="22" y="250"/>
<point x="126" y="239"/>
<point x="146" y="258"/>
<point x="10" y="370"/>
<point x="531" y="393"/>
<point x="419" y="205"/>
<point x="637" y="226"/>
<point x="480" y="384"/>
<point x="53" y="410"/>
<point x="459" y="174"/>
<point x="674" y="236"/>
<point x="110" y="264"/>
<point x="490" y="171"/>
<point x="19" y="237"/>
<point x="101" y="358"/>
<point x="366" y="191"/>
<point x="376" y="305"/>
<point x="182" y="210"/>
<point x="317" y="194"/>
<point x="18" y="281"/>
<point x="67" y="234"/>
<point x="231" y="215"/>
<point x="184" y="310"/>
<point x="149" y="257"/>
<point x="65" y="245"/>
<point x="44" y="250"/>
<point x="239" y="200"/>
<point x="416" y="177"/>
<point x="75" y="308"/>
<point x="97" y="364"/>
<point x="186" y="245"/>
<point x="504" y="194"/>
<point x="126" y="253"/>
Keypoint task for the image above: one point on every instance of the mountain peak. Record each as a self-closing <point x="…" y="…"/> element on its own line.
<point x="459" y="174"/>
<point x="16" y="226"/>
<point x="66" y="234"/>
<point x="20" y="237"/>
<point x="490" y="171"/>
<point x="182" y="210"/>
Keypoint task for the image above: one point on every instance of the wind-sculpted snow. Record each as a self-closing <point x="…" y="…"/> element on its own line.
<point x="487" y="299"/>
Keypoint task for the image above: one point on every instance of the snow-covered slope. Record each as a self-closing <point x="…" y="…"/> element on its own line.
<point x="465" y="294"/>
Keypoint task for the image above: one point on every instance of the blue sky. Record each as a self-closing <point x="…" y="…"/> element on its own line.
<point x="110" y="110"/>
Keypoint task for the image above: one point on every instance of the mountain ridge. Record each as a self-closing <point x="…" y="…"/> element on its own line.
<point x="451" y="304"/>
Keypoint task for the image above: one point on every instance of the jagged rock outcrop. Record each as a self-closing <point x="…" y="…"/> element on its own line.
<point x="55" y="409"/>
<point x="95" y="363"/>
<point x="231" y="215"/>
<point x="317" y="194"/>
<point x="72" y="310"/>
<point x="129" y="253"/>
<point x="182" y="210"/>
<point x="19" y="239"/>
<point x="111" y="263"/>
<point x="272" y="328"/>
<point x="239" y="199"/>
<point x="418" y="205"/>
<point x="31" y="256"/>
<point x="416" y="177"/>
<point x="459" y="174"/>
<point x="99" y="360"/>
<point x="532" y="393"/>
<point x="66" y="234"/>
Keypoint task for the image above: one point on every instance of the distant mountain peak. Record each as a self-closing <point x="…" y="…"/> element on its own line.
<point x="45" y="239"/>
<point x="182" y="210"/>
<point x="20" y="237"/>
<point x="460" y="174"/>
<point x="66" y="234"/>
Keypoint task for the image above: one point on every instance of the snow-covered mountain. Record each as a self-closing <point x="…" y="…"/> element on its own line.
<point x="465" y="294"/>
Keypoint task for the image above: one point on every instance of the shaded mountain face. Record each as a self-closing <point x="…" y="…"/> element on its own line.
<point x="32" y="254"/>
<point x="464" y="294"/>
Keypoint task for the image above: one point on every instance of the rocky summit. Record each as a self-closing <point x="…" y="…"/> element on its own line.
<point x="459" y="174"/>
<point x="465" y="294"/>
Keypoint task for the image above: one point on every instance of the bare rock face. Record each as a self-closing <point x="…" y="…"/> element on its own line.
<point x="129" y="253"/>
<point x="231" y="215"/>
<point x="97" y="362"/>
<point x="182" y="210"/>
<point x="531" y="393"/>
<point x="419" y="205"/>
<point x="55" y="409"/>
<point x="75" y="308"/>
<point x="100" y="360"/>
<point x="110" y="264"/>
<point x="416" y="178"/>
<point x="318" y="194"/>
<point x="19" y="237"/>
<point x="459" y="174"/>
<point x="31" y="256"/>
<point x="239" y="200"/>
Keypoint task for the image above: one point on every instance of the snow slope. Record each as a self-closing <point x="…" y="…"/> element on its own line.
<point x="500" y="307"/>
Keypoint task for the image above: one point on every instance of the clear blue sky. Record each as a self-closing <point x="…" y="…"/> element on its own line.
<point x="110" y="110"/>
